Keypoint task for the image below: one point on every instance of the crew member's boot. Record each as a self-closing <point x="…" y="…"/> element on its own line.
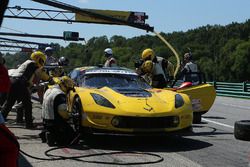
<point x="42" y="135"/>
<point x="50" y="139"/>
<point x="19" y="116"/>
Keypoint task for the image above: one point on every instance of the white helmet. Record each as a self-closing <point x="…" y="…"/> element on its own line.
<point x="47" y="49"/>
<point x="108" y="52"/>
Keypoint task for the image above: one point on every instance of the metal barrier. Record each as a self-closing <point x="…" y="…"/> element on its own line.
<point x="241" y="90"/>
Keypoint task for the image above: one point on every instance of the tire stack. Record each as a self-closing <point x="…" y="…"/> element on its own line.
<point x="242" y="130"/>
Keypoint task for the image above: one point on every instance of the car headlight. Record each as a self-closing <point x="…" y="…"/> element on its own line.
<point x="178" y="101"/>
<point x="102" y="101"/>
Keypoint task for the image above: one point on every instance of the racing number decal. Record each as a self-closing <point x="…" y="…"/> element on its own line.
<point x="196" y="104"/>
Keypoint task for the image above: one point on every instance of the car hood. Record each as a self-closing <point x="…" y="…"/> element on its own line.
<point x="143" y="102"/>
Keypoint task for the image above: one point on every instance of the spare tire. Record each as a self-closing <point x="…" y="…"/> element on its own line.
<point x="242" y="130"/>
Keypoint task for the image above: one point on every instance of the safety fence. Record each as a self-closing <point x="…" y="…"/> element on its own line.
<point x="241" y="90"/>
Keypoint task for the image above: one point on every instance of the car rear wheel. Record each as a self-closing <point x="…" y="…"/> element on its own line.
<point x="242" y="130"/>
<point x="77" y="115"/>
<point x="197" y="118"/>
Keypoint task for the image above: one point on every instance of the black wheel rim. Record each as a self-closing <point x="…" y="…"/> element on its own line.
<point x="77" y="112"/>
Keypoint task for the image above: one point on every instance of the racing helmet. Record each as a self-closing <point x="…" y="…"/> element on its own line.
<point x="187" y="56"/>
<point x="108" y="52"/>
<point x="66" y="84"/>
<point x="63" y="61"/>
<point x="39" y="58"/>
<point x="147" y="66"/>
<point x="48" y="49"/>
<point x="148" y="54"/>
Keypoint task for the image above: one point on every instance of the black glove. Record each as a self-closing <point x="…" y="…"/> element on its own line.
<point x="51" y="81"/>
<point x="33" y="89"/>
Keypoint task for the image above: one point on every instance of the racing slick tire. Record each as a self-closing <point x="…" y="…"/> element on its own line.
<point x="242" y="130"/>
<point x="77" y="115"/>
<point x="197" y="118"/>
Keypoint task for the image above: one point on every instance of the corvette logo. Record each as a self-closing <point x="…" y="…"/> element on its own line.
<point x="148" y="109"/>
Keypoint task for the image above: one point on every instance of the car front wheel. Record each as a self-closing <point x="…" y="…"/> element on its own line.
<point x="77" y="114"/>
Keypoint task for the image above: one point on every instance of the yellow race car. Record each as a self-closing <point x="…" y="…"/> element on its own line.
<point x="117" y="100"/>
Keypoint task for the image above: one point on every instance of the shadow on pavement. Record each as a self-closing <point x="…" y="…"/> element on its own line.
<point x="167" y="143"/>
<point x="204" y="130"/>
<point x="213" y="117"/>
<point x="23" y="162"/>
<point x="146" y="143"/>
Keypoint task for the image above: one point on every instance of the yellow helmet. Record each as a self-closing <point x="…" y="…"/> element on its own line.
<point x="66" y="84"/>
<point x="147" y="66"/>
<point x="39" y="58"/>
<point x="148" y="54"/>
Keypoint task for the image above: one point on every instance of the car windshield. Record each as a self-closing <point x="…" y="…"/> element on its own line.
<point x="115" y="81"/>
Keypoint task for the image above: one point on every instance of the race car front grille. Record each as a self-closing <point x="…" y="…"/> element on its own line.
<point x="145" y="122"/>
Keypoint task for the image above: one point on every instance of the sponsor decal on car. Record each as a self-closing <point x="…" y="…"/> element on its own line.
<point x="110" y="71"/>
<point x="196" y="104"/>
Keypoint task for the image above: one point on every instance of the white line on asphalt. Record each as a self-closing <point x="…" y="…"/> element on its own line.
<point x="218" y="123"/>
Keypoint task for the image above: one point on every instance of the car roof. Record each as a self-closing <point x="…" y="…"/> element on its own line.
<point x="106" y="70"/>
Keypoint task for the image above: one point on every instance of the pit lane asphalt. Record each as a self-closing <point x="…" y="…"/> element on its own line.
<point x="212" y="143"/>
